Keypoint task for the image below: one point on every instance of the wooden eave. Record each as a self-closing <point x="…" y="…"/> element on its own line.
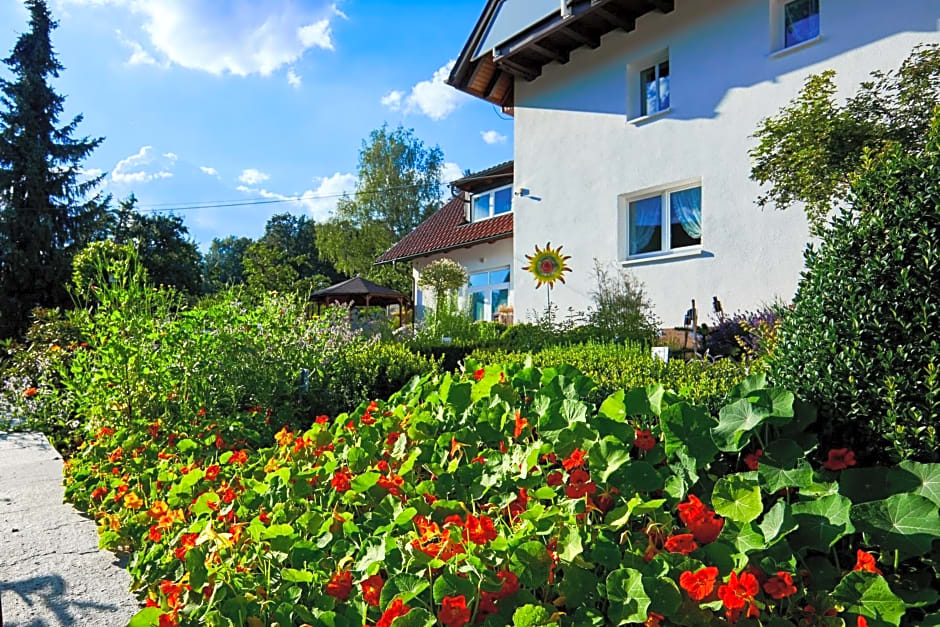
<point x="492" y="75"/>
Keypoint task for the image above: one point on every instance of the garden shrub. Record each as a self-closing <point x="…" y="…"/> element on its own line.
<point x="504" y="497"/>
<point x="743" y="335"/>
<point x="862" y="341"/>
<point x="616" y="366"/>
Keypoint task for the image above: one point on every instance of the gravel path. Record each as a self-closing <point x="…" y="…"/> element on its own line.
<point x="51" y="570"/>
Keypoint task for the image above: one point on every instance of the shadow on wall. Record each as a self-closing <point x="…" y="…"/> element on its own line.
<point x="730" y="50"/>
<point x="46" y="595"/>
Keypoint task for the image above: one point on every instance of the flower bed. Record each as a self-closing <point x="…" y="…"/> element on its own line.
<point x="502" y="497"/>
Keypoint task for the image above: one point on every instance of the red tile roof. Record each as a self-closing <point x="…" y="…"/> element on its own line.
<point x="447" y="229"/>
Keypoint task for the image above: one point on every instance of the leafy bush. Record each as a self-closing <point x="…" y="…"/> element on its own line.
<point x="862" y="339"/>
<point x="502" y="497"/>
<point x="622" y="312"/>
<point x="617" y="366"/>
<point x="144" y="356"/>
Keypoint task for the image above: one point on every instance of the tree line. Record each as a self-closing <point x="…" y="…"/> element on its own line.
<point x="50" y="210"/>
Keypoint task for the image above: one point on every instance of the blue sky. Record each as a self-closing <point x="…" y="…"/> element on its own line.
<point x="236" y="100"/>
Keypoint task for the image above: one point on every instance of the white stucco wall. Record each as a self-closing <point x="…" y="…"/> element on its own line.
<point x="576" y="152"/>
<point x="478" y="258"/>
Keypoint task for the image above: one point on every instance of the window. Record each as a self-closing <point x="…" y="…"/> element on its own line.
<point x="648" y="85"/>
<point x="801" y="21"/>
<point x="654" y="89"/>
<point x="793" y="23"/>
<point x="491" y="203"/>
<point x="488" y="291"/>
<point x="663" y="222"/>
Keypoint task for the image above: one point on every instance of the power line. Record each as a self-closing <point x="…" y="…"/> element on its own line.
<point x="194" y="205"/>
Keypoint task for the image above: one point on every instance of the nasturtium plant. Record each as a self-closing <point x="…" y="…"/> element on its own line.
<point x="504" y="496"/>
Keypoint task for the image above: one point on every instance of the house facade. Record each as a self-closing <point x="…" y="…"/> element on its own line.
<point x="475" y="229"/>
<point x="633" y="124"/>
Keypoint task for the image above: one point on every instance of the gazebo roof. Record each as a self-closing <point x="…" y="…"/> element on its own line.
<point x="360" y="292"/>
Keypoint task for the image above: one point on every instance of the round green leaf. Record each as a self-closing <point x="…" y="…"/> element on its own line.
<point x="737" y="497"/>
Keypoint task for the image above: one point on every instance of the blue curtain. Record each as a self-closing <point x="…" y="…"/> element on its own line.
<point x="645" y="216"/>
<point x="687" y="210"/>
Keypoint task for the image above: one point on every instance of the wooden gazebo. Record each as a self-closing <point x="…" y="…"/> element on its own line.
<point x="359" y="292"/>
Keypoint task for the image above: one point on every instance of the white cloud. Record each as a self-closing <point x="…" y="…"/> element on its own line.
<point x="143" y="167"/>
<point x="251" y="176"/>
<point x="320" y="202"/>
<point x="393" y="99"/>
<point x="451" y="172"/>
<point x="319" y="34"/>
<point x="209" y="171"/>
<point x="240" y="37"/>
<point x="139" y="56"/>
<point x="293" y="78"/>
<point x="433" y="98"/>
<point x="90" y="173"/>
<point x="172" y="156"/>
<point x="493" y="137"/>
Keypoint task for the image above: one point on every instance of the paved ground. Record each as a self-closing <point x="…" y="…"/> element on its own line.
<point x="51" y="571"/>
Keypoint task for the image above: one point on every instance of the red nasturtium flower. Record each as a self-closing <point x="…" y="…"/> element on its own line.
<point x="644" y="440"/>
<point x="519" y="505"/>
<point x="372" y="589"/>
<point x="861" y="622"/>
<point x="521" y="424"/>
<point x="683" y="543"/>
<point x="579" y="484"/>
<point x="454" y="611"/>
<point x="739" y="591"/>
<point x="577" y="459"/>
<point x="703" y="522"/>
<point x="752" y="460"/>
<point x="395" y="610"/>
<point x="554" y="479"/>
<point x="781" y="586"/>
<point x="479" y="374"/>
<point x="99" y="493"/>
<point x="238" y="457"/>
<point x="341" y="481"/>
<point x="700" y="584"/>
<point x="168" y="620"/>
<point x="155" y="534"/>
<point x="839" y="459"/>
<point x="340" y="585"/>
<point x="479" y="530"/>
<point x="866" y="562"/>
<point x="30" y="392"/>
<point x="187" y="542"/>
<point x="213" y="471"/>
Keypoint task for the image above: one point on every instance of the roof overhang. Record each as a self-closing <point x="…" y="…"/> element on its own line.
<point x="491" y="75"/>
<point x="443" y="249"/>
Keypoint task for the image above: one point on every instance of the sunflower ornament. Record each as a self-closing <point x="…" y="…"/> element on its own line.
<point x="547" y="265"/>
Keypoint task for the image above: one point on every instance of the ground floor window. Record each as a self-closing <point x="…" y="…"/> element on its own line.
<point x="487" y="292"/>
<point x="664" y="221"/>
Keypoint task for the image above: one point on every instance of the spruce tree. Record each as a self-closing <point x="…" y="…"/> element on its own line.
<point x="48" y="210"/>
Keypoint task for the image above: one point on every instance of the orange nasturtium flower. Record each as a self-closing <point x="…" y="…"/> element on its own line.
<point x="284" y="437"/>
<point x="158" y="510"/>
<point x="700" y="584"/>
<point x="30" y="392"/>
<point x="866" y="562"/>
<point x="132" y="501"/>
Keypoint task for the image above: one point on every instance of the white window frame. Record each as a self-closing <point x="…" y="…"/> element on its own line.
<point x="492" y="194"/>
<point x="488" y="289"/>
<point x="635" y="93"/>
<point x="778" y="29"/>
<point x="666" y="249"/>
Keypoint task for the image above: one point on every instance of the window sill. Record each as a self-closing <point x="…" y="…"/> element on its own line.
<point x="796" y="47"/>
<point x="643" y="119"/>
<point x="682" y="253"/>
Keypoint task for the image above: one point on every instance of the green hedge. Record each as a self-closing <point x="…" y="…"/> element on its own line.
<point x="617" y="366"/>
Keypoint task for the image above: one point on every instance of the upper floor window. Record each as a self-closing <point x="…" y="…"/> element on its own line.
<point x="793" y="23"/>
<point x="491" y="203"/>
<point x="648" y="82"/>
<point x="801" y="21"/>
<point x="664" y="221"/>
<point x="654" y="87"/>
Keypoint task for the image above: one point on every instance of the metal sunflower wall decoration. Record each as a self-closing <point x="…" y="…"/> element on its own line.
<point x="547" y="265"/>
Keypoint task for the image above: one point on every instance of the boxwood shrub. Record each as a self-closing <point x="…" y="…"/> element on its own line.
<point x="863" y="340"/>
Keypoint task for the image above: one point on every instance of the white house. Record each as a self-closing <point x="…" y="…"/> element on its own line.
<point x="474" y="229"/>
<point x="633" y="122"/>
